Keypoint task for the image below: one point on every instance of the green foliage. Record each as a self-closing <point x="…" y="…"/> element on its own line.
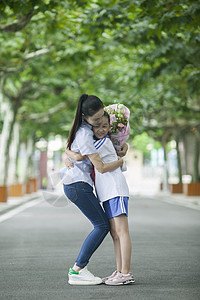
<point x="144" y="54"/>
<point x="142" y="141"/>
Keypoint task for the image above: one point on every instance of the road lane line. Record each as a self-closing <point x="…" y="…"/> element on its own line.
<point x="19" y="209"/>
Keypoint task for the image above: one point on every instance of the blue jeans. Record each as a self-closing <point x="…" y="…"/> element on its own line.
<point x="81" y="194"/>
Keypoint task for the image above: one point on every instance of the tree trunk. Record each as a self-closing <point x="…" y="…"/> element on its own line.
<point x="178" y="158"/>
<point x="165" y="173"/>
<point x="164" y="141"/>
<point x="14" y="151"/>
<point x="195" y="177"/>
<point x="8" y="123"/>
<point x="185" y="153"/>
<point x="27" y="163"/>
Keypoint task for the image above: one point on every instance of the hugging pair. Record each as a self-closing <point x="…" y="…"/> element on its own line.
<point x="91" y="121"/>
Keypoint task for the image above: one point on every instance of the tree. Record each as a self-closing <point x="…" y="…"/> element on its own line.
<point x="142" y="54"/>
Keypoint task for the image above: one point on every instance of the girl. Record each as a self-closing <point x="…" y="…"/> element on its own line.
<point x="78" y="185"/>
<point x="112" y="190"/>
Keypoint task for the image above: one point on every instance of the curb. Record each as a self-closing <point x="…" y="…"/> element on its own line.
<point x="6" y="207"/>
<point x="192" y="202"/>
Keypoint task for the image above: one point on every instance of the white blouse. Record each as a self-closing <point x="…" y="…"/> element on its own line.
<point x="84" y="144"/>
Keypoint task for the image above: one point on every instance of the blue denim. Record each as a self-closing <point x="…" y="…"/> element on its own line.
<point x="81" y="194"/>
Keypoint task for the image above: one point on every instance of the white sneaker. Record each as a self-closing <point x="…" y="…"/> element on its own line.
<point x="83" y="277"/>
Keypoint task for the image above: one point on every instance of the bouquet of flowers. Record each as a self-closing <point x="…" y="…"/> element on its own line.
<point x="119" y="122"/>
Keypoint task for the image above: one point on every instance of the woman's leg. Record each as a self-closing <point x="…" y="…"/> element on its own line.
<point x="82" y="196"/>
<point x="120" y="223"/>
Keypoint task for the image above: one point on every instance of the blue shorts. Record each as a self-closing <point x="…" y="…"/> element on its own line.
<point x="116" y="207"/>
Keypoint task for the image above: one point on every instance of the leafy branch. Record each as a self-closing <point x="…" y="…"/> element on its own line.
<point x="18" y="25"/>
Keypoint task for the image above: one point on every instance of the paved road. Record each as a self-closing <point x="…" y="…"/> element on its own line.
<point x="38" y="245"/>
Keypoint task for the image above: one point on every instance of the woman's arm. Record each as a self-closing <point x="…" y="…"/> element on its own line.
<point x="103" y="168"/>
<point x="96" y="161"/>
<point x="68" y="163"/>
<point x="75" y="155"/>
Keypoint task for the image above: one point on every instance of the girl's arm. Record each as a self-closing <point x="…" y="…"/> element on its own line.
<point x="123" y="151"/>
<point x="103" y="168"/>
<point x="96" y="161"/>
<point x="75" y="155"/>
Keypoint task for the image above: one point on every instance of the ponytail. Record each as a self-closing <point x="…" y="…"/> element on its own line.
<point x="87" y="105"/>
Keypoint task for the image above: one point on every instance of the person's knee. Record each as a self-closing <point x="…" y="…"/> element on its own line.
<point x="106" y="226"/>
<point x="120" y="231"/>
<point x="114" y="234"/>
<point x="103" y="226"/>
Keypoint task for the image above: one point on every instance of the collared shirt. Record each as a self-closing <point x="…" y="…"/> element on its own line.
<point x="84" y="144"/>
<point x="110" y="184"/>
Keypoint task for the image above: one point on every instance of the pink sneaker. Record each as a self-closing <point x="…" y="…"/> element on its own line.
<point x="110" y="277"/>
<point x="121" y="279"/>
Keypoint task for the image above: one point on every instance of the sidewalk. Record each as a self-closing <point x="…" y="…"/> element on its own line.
<point x="14" y="202"/>
<point x="179" y="199"/>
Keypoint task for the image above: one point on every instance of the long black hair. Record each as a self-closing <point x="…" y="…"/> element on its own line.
<point x="87" y="105"/>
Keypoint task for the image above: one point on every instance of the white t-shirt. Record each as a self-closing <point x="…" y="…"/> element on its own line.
<point x="84" y="144"/>
<point x="110" y="184"/>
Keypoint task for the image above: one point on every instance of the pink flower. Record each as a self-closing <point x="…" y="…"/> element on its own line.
<point x="119" y="114"/>
<point x="123" y="131"/>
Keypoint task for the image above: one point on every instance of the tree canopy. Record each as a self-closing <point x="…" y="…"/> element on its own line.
<point x="142" y="53"/>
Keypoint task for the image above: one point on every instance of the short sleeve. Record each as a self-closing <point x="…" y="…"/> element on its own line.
<point x="85" y="142"/>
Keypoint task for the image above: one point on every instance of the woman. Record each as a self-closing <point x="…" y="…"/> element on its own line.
<point x="78" y="185"/>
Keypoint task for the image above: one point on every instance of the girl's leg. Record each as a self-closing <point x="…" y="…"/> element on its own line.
<point x="116" y="243"/>
<point x="122" y="231"/>
<point x="82" y="196"/>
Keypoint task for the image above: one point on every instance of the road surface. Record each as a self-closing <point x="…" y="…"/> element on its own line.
<point x="41" y="241"/>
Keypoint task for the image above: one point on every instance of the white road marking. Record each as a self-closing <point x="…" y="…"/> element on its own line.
<point x="188" y="205"/>
<point x="19" y="209"/>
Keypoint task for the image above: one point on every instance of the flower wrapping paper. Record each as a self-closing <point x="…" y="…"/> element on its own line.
<point x="119" y="122"/>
